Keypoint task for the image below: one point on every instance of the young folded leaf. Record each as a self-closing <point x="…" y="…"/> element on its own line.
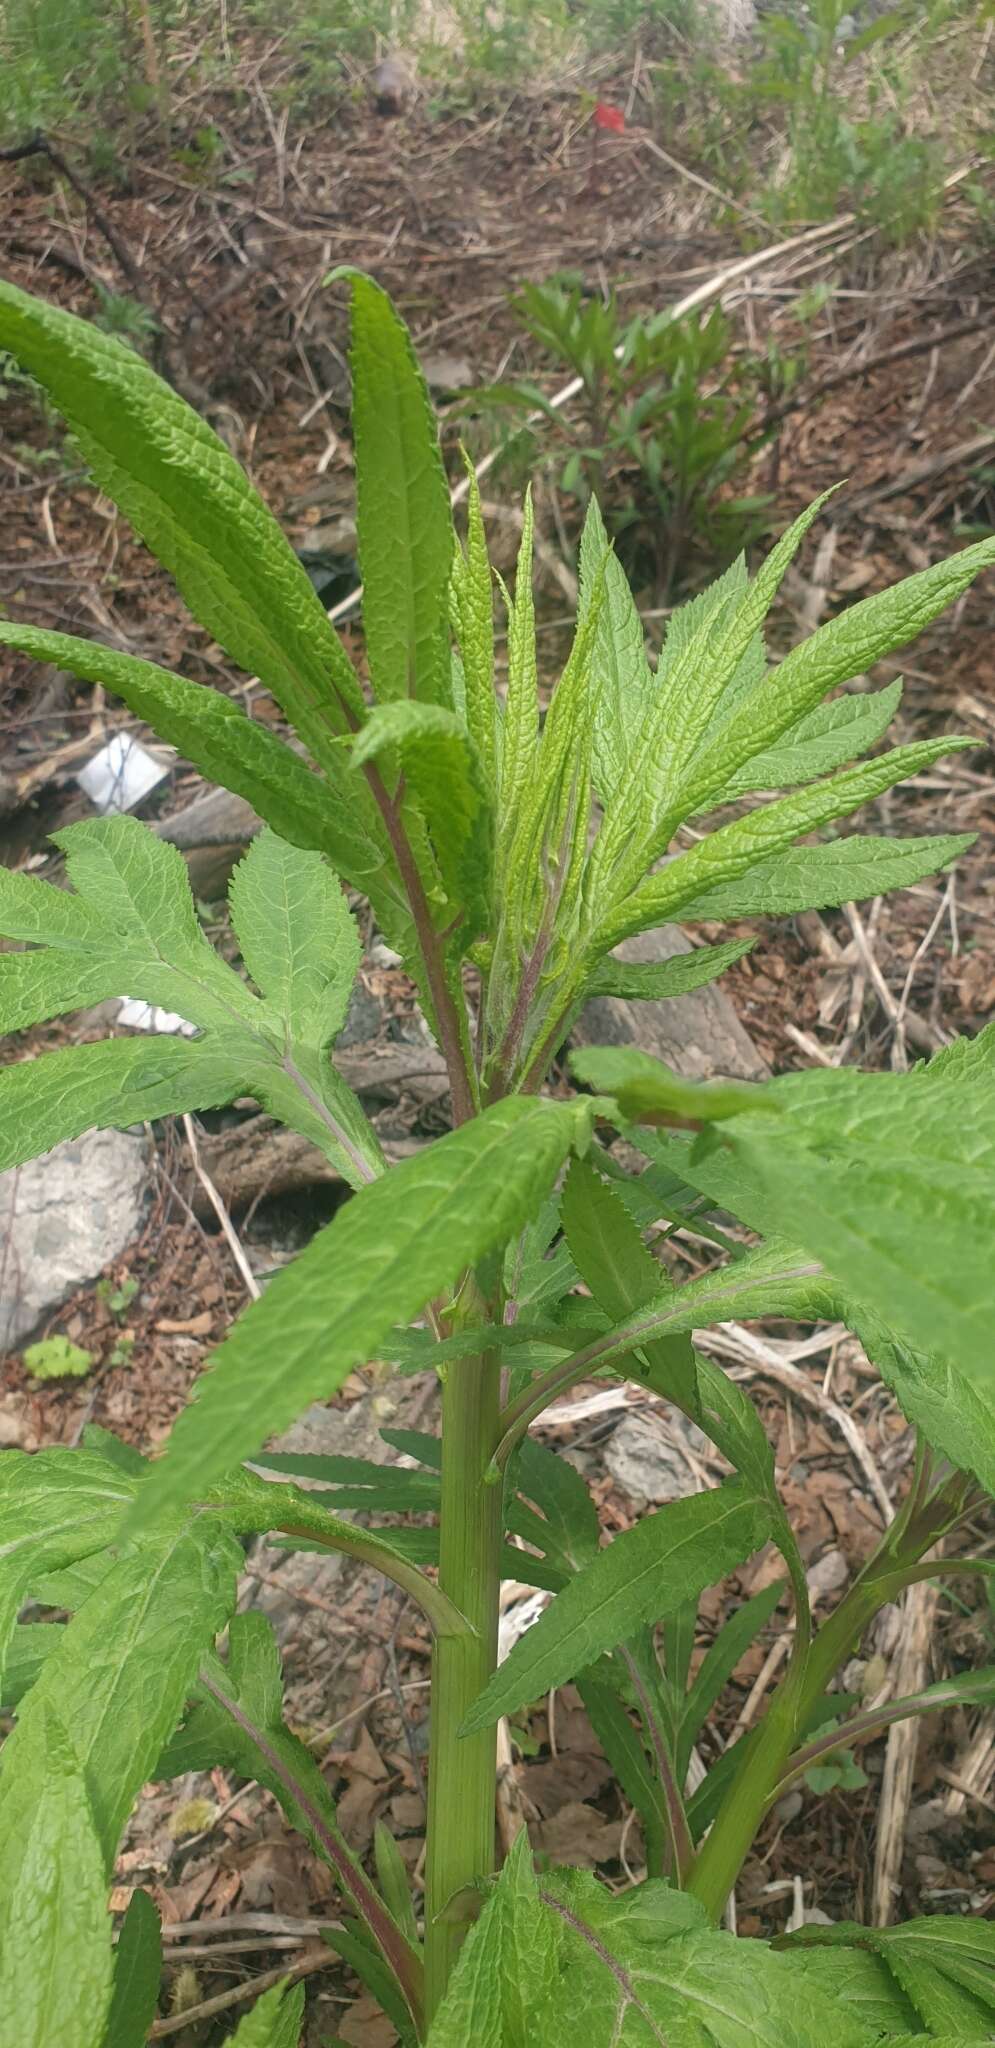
<point x="443" y="772"/>
<point x="473" y="621"/>
<point x="132" y="928"/>
<point x="648" y="1092"/>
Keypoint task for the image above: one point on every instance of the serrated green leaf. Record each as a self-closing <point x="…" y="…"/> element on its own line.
<point x="825" y="739"/>
<point x="275" y="2019"/>
<point x="297" y="937"/>
<point x="398" y="1243"/>
<point x="623" y="682"/>
<point x="109" y="1085"/>
<point x="125" y="1662"/>
<point x="501" y="1983"/>
<point x="820" y="877"/>
<point x="442" y="768"/>
<point x="645" y="1573"/>
<point x="137" y="1970"/>
<point x="187" y="497"/>
<point x="642" y="1970"/>
<point x="734" y="849"/>
<point x="55" y="1506"/>
<point x="135" y="930"/>
<point x="405" y="530"/>
<point x="713" y="660"/>
<point x="55" y="1930"/>
<point x="240" y="752"/>
<point x="889" y="1179"/>
<point x="570" y="1530"/>
<point x="847" y="646"/>
<point x="942" y="1967"/>
<point x="658" y="980"/>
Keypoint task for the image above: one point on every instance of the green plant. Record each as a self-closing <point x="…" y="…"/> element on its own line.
<point x="55" y="1358"/>
<point x="658" y="430"/>
<point x="117" y="1299"/>
<point x="505" y="855"/>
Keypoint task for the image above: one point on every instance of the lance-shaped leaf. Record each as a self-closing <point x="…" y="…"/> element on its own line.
<point x="275" y="2019"/>
<point x="137" y="1970"/>
<point x="646" y="1573"/>
<point x="55" y="1507"/>
<point x="212" y="731"/>
<point x="649" y="1092"/>
<point x="623" y="682"/>
<point x="443" y="771"/>
<point x="124" y="1664"/>
<point x="251" y="1504"/>
<point x="404" y="522"/>
<point x="717" y="1666"/>
<point x="55" y="1930"/>
<point x="734" y="849"/>
<point x="132" y="928"/>
<point x="825" y="739"/>
<point x="658" y="980"/>
<point x="398" y="1243"/>
<point x="846" y="647"/>
<point x="820" y="877"/>
<point x="186" y="495"/>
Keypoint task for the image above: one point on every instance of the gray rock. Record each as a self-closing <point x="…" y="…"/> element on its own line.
<point x="645" y="1464"/>
<point x="63" y="1219"/>
<point x="699" y="1034"/>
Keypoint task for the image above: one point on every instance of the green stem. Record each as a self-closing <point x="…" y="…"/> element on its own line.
<point x="462" y="1770"/>
<point x="726" y="1848"/>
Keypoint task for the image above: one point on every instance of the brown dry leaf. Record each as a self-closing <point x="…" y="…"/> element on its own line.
<point x="180" y="1901"/>
<point x="557" y="1780"/>
<point x="272" y="1877"/>
<point x="365" y="2026"/>
<point x="578" y="1835"/>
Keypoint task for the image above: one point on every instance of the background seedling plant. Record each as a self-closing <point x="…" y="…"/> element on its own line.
<point x="505" y="850"/>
